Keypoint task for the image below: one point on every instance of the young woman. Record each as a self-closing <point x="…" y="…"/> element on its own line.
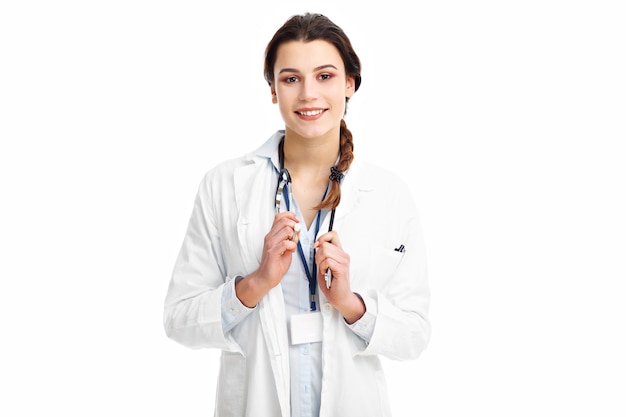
<point x="301" y="264"/>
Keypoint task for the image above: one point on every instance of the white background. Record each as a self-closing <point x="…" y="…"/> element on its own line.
<point x="508" y="117"/>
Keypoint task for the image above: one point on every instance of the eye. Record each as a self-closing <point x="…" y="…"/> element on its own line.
<point x="325" y="76"/>
<point x="291" y="79"/>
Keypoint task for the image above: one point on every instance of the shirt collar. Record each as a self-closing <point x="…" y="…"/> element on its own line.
<point x="269" y="149"/>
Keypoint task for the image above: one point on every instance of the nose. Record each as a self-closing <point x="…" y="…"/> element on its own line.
<point x="308" y="90"/>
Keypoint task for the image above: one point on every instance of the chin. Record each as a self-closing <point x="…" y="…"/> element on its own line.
<point x="312" y="132"/>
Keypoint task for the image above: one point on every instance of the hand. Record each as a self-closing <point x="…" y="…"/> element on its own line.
<point x="331" y="255"/>
<point x="278" y="247"/>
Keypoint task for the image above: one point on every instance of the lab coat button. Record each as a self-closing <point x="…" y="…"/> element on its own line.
<point x="328" y="307"/>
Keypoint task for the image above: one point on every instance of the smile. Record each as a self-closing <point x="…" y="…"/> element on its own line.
<point x="310" y="112"/>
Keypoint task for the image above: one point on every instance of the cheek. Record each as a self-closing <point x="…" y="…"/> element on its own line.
<point x="339" y="95"/>
<point x="283" y="96"/>
<point x="283" y="107"/>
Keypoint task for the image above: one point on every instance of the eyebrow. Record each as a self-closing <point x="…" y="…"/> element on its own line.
<point x="321" y="67"/>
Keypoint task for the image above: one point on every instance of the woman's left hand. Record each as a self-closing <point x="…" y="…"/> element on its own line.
<point x="331" y="255"/>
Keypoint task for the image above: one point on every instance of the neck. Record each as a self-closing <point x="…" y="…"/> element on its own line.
<point x="309" y="155"/>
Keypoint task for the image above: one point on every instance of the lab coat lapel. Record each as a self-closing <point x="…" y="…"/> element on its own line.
<point x="253" y="185"/>
<point x="253" y="195"/>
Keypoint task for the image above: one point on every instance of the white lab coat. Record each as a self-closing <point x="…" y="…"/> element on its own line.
<point x="233" y="211"/>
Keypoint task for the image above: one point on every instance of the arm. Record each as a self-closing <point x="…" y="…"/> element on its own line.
<point x="398" y="309"/>
<point x="389" y="310"/>
<point x="381" y="293"/>
<point x="202" y="304"/>
<point x="193" y="306"/>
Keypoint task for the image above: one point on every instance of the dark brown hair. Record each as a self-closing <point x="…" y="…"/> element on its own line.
<point x="309" y="27"/>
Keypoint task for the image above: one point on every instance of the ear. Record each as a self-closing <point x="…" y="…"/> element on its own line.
<point x="274" y="98"/>
<point x="349" y="87"/>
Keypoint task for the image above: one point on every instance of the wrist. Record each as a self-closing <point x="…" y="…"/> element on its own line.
<point x="354" y="308"/>
<point x="250" y="290"/>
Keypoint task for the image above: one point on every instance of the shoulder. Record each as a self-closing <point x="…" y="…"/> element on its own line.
<point x="368" y="175"/>
<point x="227" y="167"/>
<point x="380" y="189"/>
<point x="260" y="158"/>
<point x="222" y="174"/>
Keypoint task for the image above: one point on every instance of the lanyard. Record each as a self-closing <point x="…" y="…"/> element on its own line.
<point x="311" y="275"/>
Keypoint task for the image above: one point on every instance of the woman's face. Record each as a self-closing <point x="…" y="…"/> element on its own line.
<point x="310" y="87"/>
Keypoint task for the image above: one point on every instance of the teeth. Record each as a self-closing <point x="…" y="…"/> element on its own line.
<point x="310" y="113"/>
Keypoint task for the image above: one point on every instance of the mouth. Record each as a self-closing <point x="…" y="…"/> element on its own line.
<point x="310" y="113"/>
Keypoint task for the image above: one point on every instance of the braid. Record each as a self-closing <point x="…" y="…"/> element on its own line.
<point x="346" y="147"/>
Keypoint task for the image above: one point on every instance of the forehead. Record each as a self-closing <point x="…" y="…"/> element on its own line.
<point x="305" y="56"/>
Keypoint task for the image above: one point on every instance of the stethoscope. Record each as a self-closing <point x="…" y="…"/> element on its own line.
<point x="283" y="192"/>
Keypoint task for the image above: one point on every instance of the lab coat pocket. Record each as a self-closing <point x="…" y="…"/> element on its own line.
<point x="372" y="265"/>
<point x="231" y="387"/>
<point x="382" y="265"/>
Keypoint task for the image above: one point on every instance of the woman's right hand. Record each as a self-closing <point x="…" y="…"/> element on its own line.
<point x="278" y="247"/>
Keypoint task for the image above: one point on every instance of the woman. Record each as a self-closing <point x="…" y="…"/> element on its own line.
<point x="302" y="278"/>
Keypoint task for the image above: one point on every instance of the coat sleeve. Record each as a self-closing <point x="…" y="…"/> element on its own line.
<point x="193" y="305"/>
<point x="399" y="307"/>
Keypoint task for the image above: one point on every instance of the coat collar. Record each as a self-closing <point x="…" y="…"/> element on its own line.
<point x="353" y="184"/>
<point x="269" y="150"/>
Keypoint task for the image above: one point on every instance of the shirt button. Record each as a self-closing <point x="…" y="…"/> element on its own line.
<point x="328" y="307"/>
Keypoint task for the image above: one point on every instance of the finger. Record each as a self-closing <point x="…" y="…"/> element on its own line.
<point x="331" y="237"/>
<point x="324" y="265"/>
<point x="328" y="270"/>
<point x="324" y="260"/>
<point x="296" y="232"/>
<point x="292" y="227"/>
<point x="287" y="246"/>
<point x="285" y="216"/>
<point x="284" y="225"/>
<point x="281" y="232"/>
